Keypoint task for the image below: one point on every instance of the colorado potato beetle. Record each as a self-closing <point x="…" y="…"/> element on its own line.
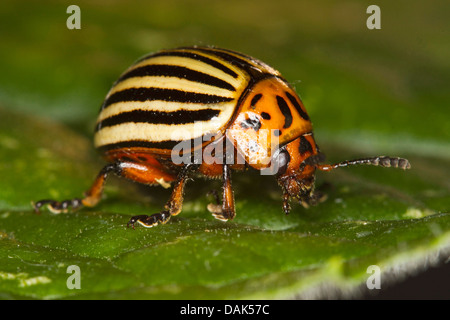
<point x="206" y="111"/>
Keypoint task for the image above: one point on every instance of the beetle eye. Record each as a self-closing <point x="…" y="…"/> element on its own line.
<point x="282" y="161"/>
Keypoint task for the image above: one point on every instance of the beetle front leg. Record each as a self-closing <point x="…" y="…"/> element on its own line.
<point x="286" y="204"/>
<point x="227" y="211"/>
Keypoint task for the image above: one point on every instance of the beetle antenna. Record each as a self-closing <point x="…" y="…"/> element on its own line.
<point x="382" y="161"/>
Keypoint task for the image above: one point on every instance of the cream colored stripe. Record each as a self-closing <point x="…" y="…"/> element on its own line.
<point x="170" y="83"/>
<point x="156" y="132"/>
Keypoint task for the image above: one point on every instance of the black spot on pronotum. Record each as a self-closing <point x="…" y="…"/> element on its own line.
<point x="305" y="146"/>
<point x="251" y="122"/>
<point x="255" y="99"/>
<point x="297" y="106"/>
<point x="277" y="132"/>
<point x="284" y="108"/>
<point x="314" y="159"/>
<point x="265" y="116"/>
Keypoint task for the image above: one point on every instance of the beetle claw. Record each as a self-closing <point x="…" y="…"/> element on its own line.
<point x="217" y="211"/>
<point x="58" y="207"/>
<point x="135" y="219"/>
<point x="150" y="221"/>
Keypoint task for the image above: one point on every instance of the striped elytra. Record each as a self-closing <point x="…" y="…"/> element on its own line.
<point x="233" y="110"/>
<point x="165" y="97"/>
<point x="157" y="101"/>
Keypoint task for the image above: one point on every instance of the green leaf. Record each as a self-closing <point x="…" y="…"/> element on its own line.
<point x="373" y="216"/>
<point x="368" y="93"/>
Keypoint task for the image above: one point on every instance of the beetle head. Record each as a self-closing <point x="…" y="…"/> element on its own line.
<point x="294" y="166"/>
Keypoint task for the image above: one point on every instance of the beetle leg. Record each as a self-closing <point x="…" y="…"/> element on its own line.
<point x="92" y="197"/>
<point x="286" y="204"/>
<point x="227" y="210"/>
<point x="317" y="197"/>
<point x="137" y="172"/>
<point x="173" y="206"/>
<point x="58" y="206"/>
<point x="150" y="221"/>
<point x="215" y="195"/>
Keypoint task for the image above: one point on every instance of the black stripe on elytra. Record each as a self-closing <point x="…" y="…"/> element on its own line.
<point x="168" y="144"/>
<point x="194" y="56"/>
<point x="304" y="146"/>
<point x="251" y="122"/>
<point x="159" y="117"/>
<point x="284" y="108"/>
<point x="170" y="95"/>
<point x="242" y="63"/>
<point x="162" y="70"/>
<point x="297" y="106"/>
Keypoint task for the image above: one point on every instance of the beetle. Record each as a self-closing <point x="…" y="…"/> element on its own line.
<point x="206" y="111"/>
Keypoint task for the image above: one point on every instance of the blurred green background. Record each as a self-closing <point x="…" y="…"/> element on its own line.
<point x="347" y="74"/>
<point x="368" y="92"/>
